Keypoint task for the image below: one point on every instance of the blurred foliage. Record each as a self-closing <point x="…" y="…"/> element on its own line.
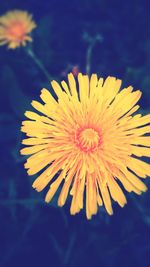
<point x="114" y="40"/>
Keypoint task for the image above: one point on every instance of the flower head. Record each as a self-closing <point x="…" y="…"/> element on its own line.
<point x="15" y="27"/>
<point x="88" y="141"/>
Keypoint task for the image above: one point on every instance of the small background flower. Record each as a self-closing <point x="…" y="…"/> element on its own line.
<point x="32" y="232"/>
<point x="15" y="28"/>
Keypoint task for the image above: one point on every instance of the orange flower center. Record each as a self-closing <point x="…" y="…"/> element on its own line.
<point x="88" y="139"/>
<point x="16" y="30"/>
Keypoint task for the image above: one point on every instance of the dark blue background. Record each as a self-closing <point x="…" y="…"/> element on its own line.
<point x="31" y="232"/>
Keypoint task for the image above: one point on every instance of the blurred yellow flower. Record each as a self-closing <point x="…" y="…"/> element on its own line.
<point x="15" y="27"/>
<point x="89" y="140"/>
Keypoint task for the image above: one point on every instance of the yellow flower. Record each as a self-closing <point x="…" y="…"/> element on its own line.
<point x="15" y="27"/>
<point x="88" y="140"/>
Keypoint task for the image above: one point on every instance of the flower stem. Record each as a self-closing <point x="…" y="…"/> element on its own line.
<point x="91" y="44"/>
<point x="89" y="56"/>
<point x="38" y="62"/>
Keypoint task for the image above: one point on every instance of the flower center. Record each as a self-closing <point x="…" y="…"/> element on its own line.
<point x="16" y="30"/>
<point x="88" y="139"/>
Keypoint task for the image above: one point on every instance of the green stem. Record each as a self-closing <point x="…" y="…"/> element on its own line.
<point x="91" y="44"/>
<point x="38" y="62"/>
<point x="89" y="56"/>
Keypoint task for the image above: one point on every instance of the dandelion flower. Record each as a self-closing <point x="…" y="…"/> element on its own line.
<point x="15" y="27"/>
<point x="88" y="142"/>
